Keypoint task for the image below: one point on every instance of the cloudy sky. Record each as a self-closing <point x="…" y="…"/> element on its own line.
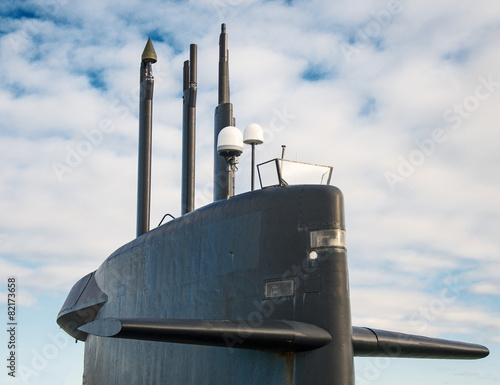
<point x="400" y="97"/>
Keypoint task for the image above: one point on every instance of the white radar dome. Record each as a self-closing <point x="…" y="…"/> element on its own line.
<point x="230" y="142"/>
<point x="253" y="134"/>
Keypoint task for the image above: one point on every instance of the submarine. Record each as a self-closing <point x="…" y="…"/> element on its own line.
<point x="250" y="289"/>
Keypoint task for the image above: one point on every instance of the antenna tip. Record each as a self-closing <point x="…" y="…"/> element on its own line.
<point x="223" y="28"/>
<point x="149" y="54"/>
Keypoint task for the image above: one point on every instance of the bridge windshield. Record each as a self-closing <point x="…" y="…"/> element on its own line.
<point x="284" y="172"/>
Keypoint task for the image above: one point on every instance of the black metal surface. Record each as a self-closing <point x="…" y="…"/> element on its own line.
<point x="145" y="133"/>
<point x="223" y="67"/>
<point x="214" y="264"/>
<point x="189" y="132"/>
<point x="228" y="275"/>
<point x="274" y="335"/>
<point x="223" y="118"/>
<point x="81" y="307"/>
<point x="252" y="180"/>
<point x="369" y="342"/>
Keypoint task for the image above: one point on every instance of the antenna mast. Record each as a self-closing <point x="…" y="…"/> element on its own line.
<point x="145" y="133"/>
<point x="223" y="118"/>
<point x="188" y="131"/>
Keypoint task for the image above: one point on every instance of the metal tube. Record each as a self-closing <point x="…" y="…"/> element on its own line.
<point x="253" y="166"/>
<point x="223" y="118"/>
<point x="230" y="178"/>
<point x="369" y="342"/>
<point x="223" y="67"/>
<point x="193" y="53"/>
<point x="272" y="335"/>
<point x="145" y="134"/>
<point x="189" y="132"/>
<point x="186" y="71"/>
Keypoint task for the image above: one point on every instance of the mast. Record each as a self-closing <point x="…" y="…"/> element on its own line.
<point x="188" y="131"/>
<point x="145" y="133"/>
<point x="223" y="118"/>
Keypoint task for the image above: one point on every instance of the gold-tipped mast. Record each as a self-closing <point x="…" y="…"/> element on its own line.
<point x="145" y="133"/>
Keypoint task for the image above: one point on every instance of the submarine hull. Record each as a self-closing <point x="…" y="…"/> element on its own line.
<point x="249" y="260"/>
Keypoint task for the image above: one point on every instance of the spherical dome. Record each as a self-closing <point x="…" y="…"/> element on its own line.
<point x="230" y="142"/>
<point x="253" y="134"/>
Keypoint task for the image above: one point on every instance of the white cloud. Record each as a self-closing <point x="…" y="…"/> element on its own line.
<point x="360" y="115"/>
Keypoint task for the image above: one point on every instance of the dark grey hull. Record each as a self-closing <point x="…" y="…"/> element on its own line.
<point x="257" y="277"/>
<point x="213" y="264"/>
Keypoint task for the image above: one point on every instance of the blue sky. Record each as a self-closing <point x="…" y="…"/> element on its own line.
<point x="399" y="97"/>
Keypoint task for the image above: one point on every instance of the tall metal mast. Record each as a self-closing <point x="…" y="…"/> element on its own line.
<point x="223" y="118"/>
<point x="188" y="131"/>
<point x="145" y="133"/>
